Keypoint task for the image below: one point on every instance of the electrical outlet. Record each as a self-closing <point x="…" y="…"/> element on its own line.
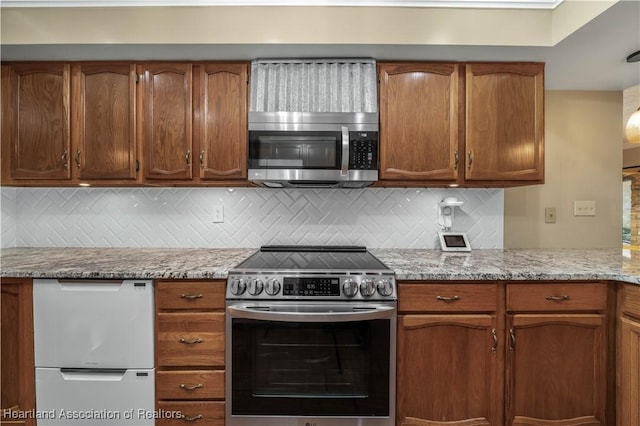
<point x="218" y="214"/>
<point x="550" y="215"/>
<point x="584" y="208"/>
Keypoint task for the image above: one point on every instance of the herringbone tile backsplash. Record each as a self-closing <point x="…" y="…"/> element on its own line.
<point x="182" y="217"/>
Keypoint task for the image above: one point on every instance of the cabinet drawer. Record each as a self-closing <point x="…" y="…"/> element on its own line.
<point x="629" y="296"/>
<point x="190" y="294"/>
<point x="454" y="297"/>
<point x="557" y="297"/>
<point x="170" y="413"/>
<point x="190" y="339"/>
<point x="200" y="384"/>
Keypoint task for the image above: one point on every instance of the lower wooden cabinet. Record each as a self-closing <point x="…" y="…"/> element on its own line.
<point x="17" y="377"/>
<point x="448" y="368"/>
<point x="521" y="353"/>
<point x="190" y="352"/>
<point x="628" y="359"/>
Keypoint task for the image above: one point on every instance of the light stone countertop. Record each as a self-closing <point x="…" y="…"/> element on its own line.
<point x="408" y="264"/>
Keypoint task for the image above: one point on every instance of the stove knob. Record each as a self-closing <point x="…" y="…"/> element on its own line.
<point x="272" y="287"/>
<point x="385" y="287"/>
<point x="255" y="287"/>
<point x="238" y="286"/>
<point x="367" y="287"/>
<point x="350" y="288"/>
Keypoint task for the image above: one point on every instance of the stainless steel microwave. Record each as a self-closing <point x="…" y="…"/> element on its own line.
<point x="313" y="149"/>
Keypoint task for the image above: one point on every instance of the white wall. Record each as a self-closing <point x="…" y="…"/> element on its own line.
<point x="583" y="162"/>
<point x="182" y="217"/>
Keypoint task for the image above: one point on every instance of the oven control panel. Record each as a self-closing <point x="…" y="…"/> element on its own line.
<point x="343" y="287"/>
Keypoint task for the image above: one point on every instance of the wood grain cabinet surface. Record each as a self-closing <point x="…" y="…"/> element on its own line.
<point x="507" y="354"/>
<point x="628" y="355"/>
<point x="449" y="358"/>
<point x="36" y="137"/>
<point x="556" y="363"/>
<point x="465" y="124"/>
<point x="190" y="351"/>
<point x="17" y="366"/>
<point x="104" y="121"/>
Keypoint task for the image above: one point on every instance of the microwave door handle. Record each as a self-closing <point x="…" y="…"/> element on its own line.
<point x="324" y="315"/>
<point x="345" y="151"/>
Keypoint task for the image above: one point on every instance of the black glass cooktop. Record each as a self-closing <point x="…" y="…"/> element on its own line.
<point x="315" y="258"/>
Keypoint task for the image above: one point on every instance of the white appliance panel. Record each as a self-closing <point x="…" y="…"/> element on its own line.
<point x="93" y="324"/>
<point x="100" y="397"/>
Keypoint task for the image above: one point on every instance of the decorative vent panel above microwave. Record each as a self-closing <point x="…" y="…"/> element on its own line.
<point x="313" y="85"/>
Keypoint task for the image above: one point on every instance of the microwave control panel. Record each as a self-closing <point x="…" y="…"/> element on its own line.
<point x="363" y="150"/>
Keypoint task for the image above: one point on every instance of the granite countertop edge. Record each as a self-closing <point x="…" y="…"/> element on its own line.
<point x="408" y="264"/>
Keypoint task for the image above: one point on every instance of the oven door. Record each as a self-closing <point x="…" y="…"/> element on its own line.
<point x="298" y="363"/>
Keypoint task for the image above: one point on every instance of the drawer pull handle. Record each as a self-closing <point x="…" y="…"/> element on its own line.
<point x="193" y="418"/>
<point x="446" y="299"/>
<point x="191" y="296"/>
<point x="191" y="342"/>
<point x="190" y="388"/>
<point x="558" y="298"/>
<point x="494" y="334"/>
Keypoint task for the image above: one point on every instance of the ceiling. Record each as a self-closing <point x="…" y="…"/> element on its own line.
<point x="591" y="58"/>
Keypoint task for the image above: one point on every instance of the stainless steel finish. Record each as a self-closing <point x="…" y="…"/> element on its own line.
<point x="312" y="178"/>
<point x="332" y="310"/>
<point x="272" y="287"/>
<point x="313" y="121"/>
<point x="311" y="312"/>
<point x="255" y="287"/>
<point x="237" y="286"/>
<point x="385" y="287"/>
<point x="367" y="287"/>
<point x="344" y="171"/>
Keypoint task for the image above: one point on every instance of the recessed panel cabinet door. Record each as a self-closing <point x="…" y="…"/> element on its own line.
<point x="36" y="119"/>
<point x="222" y="121"/>
<point x="104" y="121"/>
<point x="418" y="121"/>
<point x="556" y="372"/>
<point x="504" y="122"/>
<point x="167" y="117"/>
<point x="448" y="370"/>
<point x="629" y="372"/>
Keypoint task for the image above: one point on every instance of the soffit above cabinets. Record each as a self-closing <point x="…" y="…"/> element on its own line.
<point x="480" y="4"/>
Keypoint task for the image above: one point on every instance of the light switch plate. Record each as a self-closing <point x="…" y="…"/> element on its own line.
<point x="584" y="208"/>
<point x="550" y="215"/>
<point x="218" y="214"/>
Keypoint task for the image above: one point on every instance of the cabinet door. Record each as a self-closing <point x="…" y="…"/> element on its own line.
<point x="222" y="121"/>
<point x="104" y="99"/>
<point x="167" y="121"/>
<point x="556" y="370"/>
<point x="17" y="363"/>
<point x="35" y="118"/>
<point x="448" y="370"/>
<point x="504" y="122"/>
<point x="629" y="372"/>
<point x="418" y="121"/>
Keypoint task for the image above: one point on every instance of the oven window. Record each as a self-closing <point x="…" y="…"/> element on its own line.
<point x="294" y="150"/>
<point x="281" y="368"/>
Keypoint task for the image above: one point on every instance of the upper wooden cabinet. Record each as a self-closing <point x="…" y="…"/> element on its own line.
<point x="104" y="121"/>
<point x="36" y="121"/>
<point x="101" y="122"/>
<point x="476" y="124"/>
<point x="167" y="121"/>
<point x="504" y="122"/>
<point x="221" y="120"/>
<point x="419" y="121"/>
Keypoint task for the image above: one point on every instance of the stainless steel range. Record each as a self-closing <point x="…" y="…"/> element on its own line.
<point x="310" y="338"/>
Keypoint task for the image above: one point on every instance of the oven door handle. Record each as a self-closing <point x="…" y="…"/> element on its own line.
<point x="313" y="313"/>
